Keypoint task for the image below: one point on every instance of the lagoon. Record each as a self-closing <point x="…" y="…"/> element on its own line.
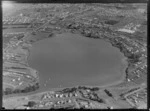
<point x="68" y="60"/>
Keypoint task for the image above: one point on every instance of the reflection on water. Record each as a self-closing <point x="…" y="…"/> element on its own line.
<point x="70" y="60"/>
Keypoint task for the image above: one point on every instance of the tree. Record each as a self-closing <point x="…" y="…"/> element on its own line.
<point x="31" y="103"/>
<point x="8" y="91"/>
<point x="16" y="91"/>
<point x="108" y="93"/>
<point x="95" y="89"/>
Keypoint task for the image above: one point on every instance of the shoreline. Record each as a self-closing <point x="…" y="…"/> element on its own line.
<point x="38" y="91"/>
<point x="124" y="61"/>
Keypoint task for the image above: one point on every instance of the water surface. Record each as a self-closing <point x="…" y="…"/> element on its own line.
<point x="68" y="60"/>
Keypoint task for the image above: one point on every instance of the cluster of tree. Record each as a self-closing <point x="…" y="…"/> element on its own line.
<point x="134" y="58"/>
<point x="108" y="93"/>
<point x="89" y="88"/>
<point x="129" y="91"/>
<point x="31" y="88"/>
<point x="68" y="90"/>
<point x="111" y="22"/>
<point x="93" y="96"/>
<point x="91" y="31"/>
<point x="95" y="89"/>
<point x="74" y="25"/>
<point x="8" y="91"/>
<point x="51" y="35"/>
<point x="96" y="98"/>
<point x="27" y="89"/>
<point x="31" y="104"/>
